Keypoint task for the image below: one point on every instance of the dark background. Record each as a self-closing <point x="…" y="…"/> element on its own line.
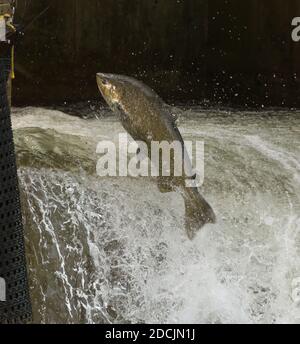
<point x="232" y="52"/>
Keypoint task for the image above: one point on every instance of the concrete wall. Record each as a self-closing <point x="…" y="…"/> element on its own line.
<point x="232" y="51"/>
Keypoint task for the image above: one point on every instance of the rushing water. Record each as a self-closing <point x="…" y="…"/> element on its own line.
<point x="104" y="250"/>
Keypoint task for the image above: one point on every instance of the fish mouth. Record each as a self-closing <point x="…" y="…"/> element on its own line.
<point x="103" y="81"/>
<point x="101" y="75"/>
<point x="100" y="78"/>
<point x="104" y="85"/>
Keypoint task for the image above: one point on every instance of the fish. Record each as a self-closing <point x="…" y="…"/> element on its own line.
<point x="147" y="118"/>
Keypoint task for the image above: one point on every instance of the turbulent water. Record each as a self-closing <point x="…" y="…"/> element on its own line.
<point x="104" y="250"/>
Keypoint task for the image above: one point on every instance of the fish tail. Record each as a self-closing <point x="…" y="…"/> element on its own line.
<point x="198" y="212"/>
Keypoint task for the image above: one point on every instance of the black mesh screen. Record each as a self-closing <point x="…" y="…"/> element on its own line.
<point x="14" y="302"/>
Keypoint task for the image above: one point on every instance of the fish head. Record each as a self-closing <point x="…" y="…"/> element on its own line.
<point x="122" y="93"/>
<point x="112" y="89"/>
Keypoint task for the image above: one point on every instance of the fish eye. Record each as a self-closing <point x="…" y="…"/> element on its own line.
<point x="104" y="82"/>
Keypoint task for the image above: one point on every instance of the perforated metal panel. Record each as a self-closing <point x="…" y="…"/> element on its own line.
<point x="15" y="303"/>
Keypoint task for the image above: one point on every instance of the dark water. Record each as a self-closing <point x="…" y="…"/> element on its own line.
<point x="104" y="250"/>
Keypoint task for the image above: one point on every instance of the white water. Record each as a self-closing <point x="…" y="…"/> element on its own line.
<point x="114" y="250"/>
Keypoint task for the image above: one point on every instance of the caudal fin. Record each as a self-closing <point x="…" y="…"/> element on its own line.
<point x="198" y="212"/>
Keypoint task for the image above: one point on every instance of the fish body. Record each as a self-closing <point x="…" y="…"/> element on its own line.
<point x="147" y="118"/>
